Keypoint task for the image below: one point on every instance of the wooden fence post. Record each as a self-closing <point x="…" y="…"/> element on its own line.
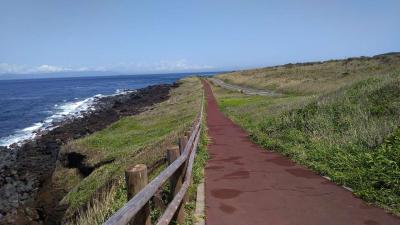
<point x="187" y="134"/>
<point x="136" y="179"/>
<point x="176" y="181"/>
<point x="182" y="143"/>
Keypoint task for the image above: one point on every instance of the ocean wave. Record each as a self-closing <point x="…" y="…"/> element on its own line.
<point x="124" y="91"/>
<point x="20" y="135"/>
<point x="60" y="112"/>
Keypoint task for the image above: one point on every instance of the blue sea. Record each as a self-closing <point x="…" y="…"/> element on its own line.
<point x="31" y="105"/>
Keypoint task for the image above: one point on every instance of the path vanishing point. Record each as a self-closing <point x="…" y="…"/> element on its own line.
<point x="246" y="185"/>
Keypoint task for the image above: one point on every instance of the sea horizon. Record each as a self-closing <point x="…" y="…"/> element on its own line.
<point x="74" y="74"/>
<point x="33" y="105"/>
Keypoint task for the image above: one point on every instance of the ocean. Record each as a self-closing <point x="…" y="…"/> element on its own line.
<point x="30" y="105"/>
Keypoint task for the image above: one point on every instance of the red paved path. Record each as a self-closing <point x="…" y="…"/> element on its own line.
<point x="246" y="185"/>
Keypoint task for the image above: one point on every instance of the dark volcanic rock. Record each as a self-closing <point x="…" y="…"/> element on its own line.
<point x="25" y="169"/>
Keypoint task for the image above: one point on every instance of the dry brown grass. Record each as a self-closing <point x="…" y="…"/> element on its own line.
<point x="314" y="78"/>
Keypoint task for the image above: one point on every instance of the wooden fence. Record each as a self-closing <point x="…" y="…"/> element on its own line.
<point x="179" y="173"/>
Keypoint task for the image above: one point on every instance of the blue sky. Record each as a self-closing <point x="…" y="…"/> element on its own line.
<point x="176" y="36"/>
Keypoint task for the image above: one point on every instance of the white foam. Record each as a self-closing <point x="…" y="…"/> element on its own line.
<point x="123" y="91"/>
<point x="62" y="111"/>
<point x="20" y="135"/>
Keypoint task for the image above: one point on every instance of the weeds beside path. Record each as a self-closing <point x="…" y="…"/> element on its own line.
<point x="349" y="135"/>
<point x="340" y="118"/>
<point x="248" y="185"/>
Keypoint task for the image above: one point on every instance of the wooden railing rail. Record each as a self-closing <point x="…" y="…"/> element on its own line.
<point x="174" y="204"/>
<point x="131" y="209"/>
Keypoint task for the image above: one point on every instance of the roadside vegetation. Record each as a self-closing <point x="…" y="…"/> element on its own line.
<point x="94" y="184"/>
<point x="345" y="126"/>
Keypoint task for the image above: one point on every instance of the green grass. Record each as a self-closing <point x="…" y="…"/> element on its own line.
<point x="314" y="78"/>
<point x="350" y="134"/>
<point x="142" y="138"/>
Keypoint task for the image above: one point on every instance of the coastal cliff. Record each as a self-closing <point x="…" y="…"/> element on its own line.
<point x="26" y="191"/>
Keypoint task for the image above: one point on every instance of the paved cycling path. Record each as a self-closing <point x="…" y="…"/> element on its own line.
<point x="244" y="90"/>
<point x="245" y="185"/>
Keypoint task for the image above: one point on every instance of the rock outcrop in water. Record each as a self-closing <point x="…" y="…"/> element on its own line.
<point x="25" y="169"/>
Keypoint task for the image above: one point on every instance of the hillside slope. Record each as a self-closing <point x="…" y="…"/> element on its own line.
<point x="314" y="77"/>
<point x="350" y="134"/>
<point x="90" y="171"/>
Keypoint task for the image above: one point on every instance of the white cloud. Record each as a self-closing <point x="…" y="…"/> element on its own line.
<point x="48" y="69"/>
<point x="21" y="69"/>
<point x="10" y="68"/>
<point x="160" y="66"/>
<point x="180" y="65"/>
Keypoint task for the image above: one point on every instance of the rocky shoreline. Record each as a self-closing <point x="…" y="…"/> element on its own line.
<point x="25" y="169"/>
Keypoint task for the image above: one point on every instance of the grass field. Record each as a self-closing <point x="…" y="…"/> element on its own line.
<point x="347" y="130"/>
<point x="136" y="139"/>
<point x="314" y="78"/>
